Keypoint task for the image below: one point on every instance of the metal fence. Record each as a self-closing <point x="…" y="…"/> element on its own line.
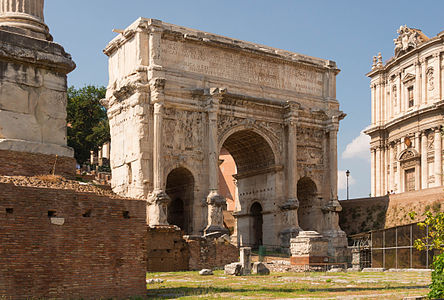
<point x="393" y="248"/>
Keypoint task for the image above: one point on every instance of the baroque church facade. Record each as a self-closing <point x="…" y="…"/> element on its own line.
<point x="407" y="115"/>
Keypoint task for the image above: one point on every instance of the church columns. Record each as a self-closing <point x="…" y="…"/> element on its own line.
<point x="398" y="168"/>
<point x="373" y="172"/>
<point x="215" y="202"/>
<point x="417" y="84"/>
<point x="158" y="200"/>
<point x="424" y="172"/>
<point x="423" y="81"/>
<point x="392" y="168"/>
<point x="438" y="157"/>
<point x="418" y="164"/>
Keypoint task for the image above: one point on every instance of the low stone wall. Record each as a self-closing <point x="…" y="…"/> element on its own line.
<point x="14" y="163"/>
<point x="167" y="251"/>
<point x="63" y="244"/>
<point x="374" y="213"/>
<point x="208" y="253"/>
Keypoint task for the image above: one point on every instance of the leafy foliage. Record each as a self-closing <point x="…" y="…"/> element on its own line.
<point x="88" y="126"/>
<point x="434" y="240"/>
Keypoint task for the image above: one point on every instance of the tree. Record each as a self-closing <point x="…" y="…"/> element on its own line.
<point x="88" y="126"/>
<point x="434" y="240"/>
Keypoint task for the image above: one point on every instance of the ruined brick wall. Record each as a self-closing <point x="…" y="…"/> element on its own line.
<point x="97" y="250"/>
<point x="167" y="251"/>
<point x="14" y="163"/>
<point x="210" y="253"/>
<point x="365" y="214"/>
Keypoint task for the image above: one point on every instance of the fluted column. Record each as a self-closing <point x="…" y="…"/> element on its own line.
<point x="392" y="169"/>
<point x="400" y="94"/>
<point x="290" y="207"/>
<point x="438" y="157"/>
<point x="398" y="169"/>
<point x="333" y="158"/>
<point x="24" y="17"/>
<point x="417" y="84"/>
<point x="423" y="81"/>
<point x="424" y="173"/>
<point x="215" y="202"/>
<point x="158" y="200"/>
<point x="373" y="172"/>
<point x="378" y="172"/>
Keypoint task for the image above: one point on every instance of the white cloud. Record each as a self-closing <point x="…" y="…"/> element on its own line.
<point x="358" y="148"/>
<point x="342" y="180"/>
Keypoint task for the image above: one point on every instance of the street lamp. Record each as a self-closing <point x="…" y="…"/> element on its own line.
<point x="347" y="173"/>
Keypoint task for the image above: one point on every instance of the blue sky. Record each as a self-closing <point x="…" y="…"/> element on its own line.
<point x="348" y="32"/>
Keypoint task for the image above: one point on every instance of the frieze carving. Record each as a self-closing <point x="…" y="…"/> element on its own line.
<point x="408" y="164"/>
<point x="408" y="38"/>
<point x="182" y="129"/>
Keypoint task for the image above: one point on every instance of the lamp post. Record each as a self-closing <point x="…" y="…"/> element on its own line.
<point x="347" y="173"/>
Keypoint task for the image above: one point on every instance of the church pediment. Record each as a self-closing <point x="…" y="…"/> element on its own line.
<point x="408" y="154"/>
<point x="408" y="77"/>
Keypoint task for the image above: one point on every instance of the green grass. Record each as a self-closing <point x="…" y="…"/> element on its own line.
<point x="190" y="285"/>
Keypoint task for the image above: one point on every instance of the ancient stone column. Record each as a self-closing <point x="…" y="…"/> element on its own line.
<point x="438" y="157"/>
<point x="158" y="200"/>
<point x="290" y="207"/>
<point x="424" y="173"/>
<point x="215" y="202"/>
<point x="24" y="17"/>
<point x="333" y="159"/>
<point x="398" y="169"/>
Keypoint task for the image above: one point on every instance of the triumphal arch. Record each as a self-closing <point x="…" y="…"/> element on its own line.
<point x="177" y="96"/>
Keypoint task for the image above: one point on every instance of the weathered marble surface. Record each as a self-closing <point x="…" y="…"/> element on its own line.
<point x="177" y="96"/>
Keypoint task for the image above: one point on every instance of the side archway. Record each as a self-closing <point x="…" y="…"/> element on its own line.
<point x="180" y="189"/>
<point x="307" y="192"/>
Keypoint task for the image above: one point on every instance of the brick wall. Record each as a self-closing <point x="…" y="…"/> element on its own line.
<point x="365" y="214"/>
<point x="14" y="163"/>
<point x="210" y="253"/>
<point x="167" y="251"/>
<point x="98" y="252"/>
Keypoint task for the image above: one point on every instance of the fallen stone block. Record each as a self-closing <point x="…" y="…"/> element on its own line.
<point x="233" y="269"/>
<point x="260" y="269"/>
<point x="205" y="272"/>
<point x="373" y="270"/>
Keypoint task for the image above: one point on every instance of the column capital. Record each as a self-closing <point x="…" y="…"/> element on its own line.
<point x="157" y="88"/>
<point x="24" y="17"/>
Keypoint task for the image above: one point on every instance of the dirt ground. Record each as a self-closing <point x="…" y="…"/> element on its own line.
<point x="316" y="285"/>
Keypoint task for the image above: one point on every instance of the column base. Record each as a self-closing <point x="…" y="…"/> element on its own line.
<point x="157" y="208"/>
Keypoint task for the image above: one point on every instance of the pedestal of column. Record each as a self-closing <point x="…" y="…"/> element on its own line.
<point x="157" y="208"/>
<point x="33" y="81"/>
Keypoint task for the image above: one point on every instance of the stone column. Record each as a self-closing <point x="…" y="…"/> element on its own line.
<point x="399" y="92"/>
<point x="423" y="81"/>
<point x="378" y="172"/>
<point x="158" y="200"/>
<point x="392" y="168"/>
<point x="373" y="172"/>
<point x="333" y="158"/>
<point x="24" y="17"/>
<point x="438" y="157"/>
<point x="417" y="84"/>
<point x="398" y="168"/>
<point x="215" y="202"/>
<point x="377" y="99"/>
<point x="424" y="173"/>
<point x="437" y="75"/>
<point x="373" y="104"/>
<point x="290" y="207"/>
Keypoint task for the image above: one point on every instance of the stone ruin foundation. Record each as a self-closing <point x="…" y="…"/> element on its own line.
<point x="33" y="85"/>
<point x="177" y="97"/>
